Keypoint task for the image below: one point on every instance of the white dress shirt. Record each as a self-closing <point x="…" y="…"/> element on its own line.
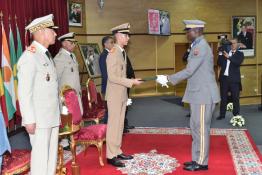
<point x="226" y="73"/>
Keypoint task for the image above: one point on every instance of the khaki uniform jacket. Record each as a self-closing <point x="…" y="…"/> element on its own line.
<point x="38" y="88"/>
<point x="68" y="72"/>
<point x="201" y="83"/>
<point x="117" y="82"/>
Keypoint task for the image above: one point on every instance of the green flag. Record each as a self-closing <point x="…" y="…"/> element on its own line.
<point x="19" y="49"/>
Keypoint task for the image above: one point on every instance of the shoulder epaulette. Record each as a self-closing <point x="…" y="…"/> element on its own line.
<point x="31" y="49"/>
<point x="112" y="50"/>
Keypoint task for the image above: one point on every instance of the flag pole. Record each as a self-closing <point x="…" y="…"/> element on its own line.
<point x="1" y="16"/>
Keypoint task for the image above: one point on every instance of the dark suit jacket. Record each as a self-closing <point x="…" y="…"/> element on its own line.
<point x="102" y="65"/>
<point x="234" y="68"/>
<point x="247" y="40"/>
<point x="129" y="69"/>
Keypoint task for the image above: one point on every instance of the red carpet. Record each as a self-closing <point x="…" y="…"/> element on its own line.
<point x="177" y="144"/>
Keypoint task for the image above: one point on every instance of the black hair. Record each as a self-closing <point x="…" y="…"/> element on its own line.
<point x="105" y="39"/>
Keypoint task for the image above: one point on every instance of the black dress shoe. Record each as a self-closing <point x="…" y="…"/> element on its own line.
<point x="196" y="167"/>
<point x="189" y="163"/>
<point x="125" y="131"/>
<point x="115" y="162"/>
<point x="129" y="127"/>
<point x="188" y="115"/>
<point x="125" y="157"/>
<point x="67" y="148"/>
<point x="220" y="117"/>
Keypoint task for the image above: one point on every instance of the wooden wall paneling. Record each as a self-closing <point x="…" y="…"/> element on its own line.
<point x="180" y="49"/>
<point x="142" y="52"/>
<point x="147" y="88"/>
<point x="165" y="52"/>
<point x="259" y="79"/>
<point x="250" y="100"/>
<point x="249" y="83"/>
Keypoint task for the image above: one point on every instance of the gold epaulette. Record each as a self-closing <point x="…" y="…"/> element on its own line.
<point x="112" y="50"/>
<point x="31" y="49"/>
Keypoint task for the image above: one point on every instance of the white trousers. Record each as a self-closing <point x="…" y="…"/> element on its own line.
<point x="44" y="151"/>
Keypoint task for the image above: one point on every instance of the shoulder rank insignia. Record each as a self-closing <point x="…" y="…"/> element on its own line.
<point x="196" y="51"/>
<point x="31" y="49"/>
<point x="112" y="50"/>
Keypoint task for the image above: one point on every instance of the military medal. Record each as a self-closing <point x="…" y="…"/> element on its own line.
<point x="47" y="77"/>
<point x="72" y="70"/>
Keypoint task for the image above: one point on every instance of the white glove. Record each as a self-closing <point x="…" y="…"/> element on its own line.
<point x="64" y="110"/>
<point x="129" y="102"/>
<point x="162" y="79"/>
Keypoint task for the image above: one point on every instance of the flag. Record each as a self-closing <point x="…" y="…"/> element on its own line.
<point x="4" y="145"/>
<point x="2" y="98"/>
<point x="8" y="78"/>
<point x="27" y="36"/>
<point x="13" y="58"/>
<point x="19" y="52"/>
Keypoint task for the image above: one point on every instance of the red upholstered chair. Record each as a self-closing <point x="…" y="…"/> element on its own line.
<point x="89" y="135"/>
<point x="17" y="162"/>
<point x="93" y="110"/>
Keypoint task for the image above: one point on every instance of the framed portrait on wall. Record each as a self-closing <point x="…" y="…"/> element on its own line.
<point x="90" y="53"/>
<point x="244" y="29"/>
<point x="158" y="22"/>
<point x="75" y="11"/>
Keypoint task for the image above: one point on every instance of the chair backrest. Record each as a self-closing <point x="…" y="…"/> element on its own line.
<point x="92" y="92"/>
<point x="72" y="103"/>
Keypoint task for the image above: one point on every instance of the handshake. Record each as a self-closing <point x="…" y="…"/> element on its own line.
<point x="161" y="79"/>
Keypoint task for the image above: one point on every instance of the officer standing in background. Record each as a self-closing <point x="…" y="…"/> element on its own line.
<point x="116" y="95"/>
<point x="67" y="66"/>
<point x="130" y="73"/>
<point x="67" y="70"/>
<point x="201" y="93"/>
<point x="229" y="78"/>
<point x="39" y="98"/>
<point x="108" y="44"/>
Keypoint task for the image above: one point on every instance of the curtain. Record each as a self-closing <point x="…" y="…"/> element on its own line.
<point x="27" y="10"/>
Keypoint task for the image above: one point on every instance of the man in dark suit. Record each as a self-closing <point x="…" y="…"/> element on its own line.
<point x="107" y="43"/>
<point x="229" y="78"/>
<point x="245" y="38"/>
<point x="129" y="74"/>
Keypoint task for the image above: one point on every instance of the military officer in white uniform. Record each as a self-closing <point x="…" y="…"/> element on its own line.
<point x="67" y="69"/>
<point x="201" y="92"/>
<point x="38" y="96"/>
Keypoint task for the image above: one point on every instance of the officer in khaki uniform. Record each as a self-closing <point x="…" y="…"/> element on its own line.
<point x="67" y="66"/>
<point x="116" y="95"/>
<point x="67" y="70"/>
<point x="201" y="93"/>
<point x="38" y="96"/>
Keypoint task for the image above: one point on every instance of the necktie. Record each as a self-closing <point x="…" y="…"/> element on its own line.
<point x="71" y="55"/>
<point x="48" y="54"/>
<point x="124" y="54"/>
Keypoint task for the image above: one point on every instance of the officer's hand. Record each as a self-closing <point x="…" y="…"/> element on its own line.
<point x="163" y="80"/>
<point x="137" y="81"/>
<point x="30" y="128"/>
<point x="225" y="54"/>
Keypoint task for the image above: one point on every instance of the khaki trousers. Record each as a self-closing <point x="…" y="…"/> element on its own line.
<point x="115" y="128"/>
<point x="44" y="151"/>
